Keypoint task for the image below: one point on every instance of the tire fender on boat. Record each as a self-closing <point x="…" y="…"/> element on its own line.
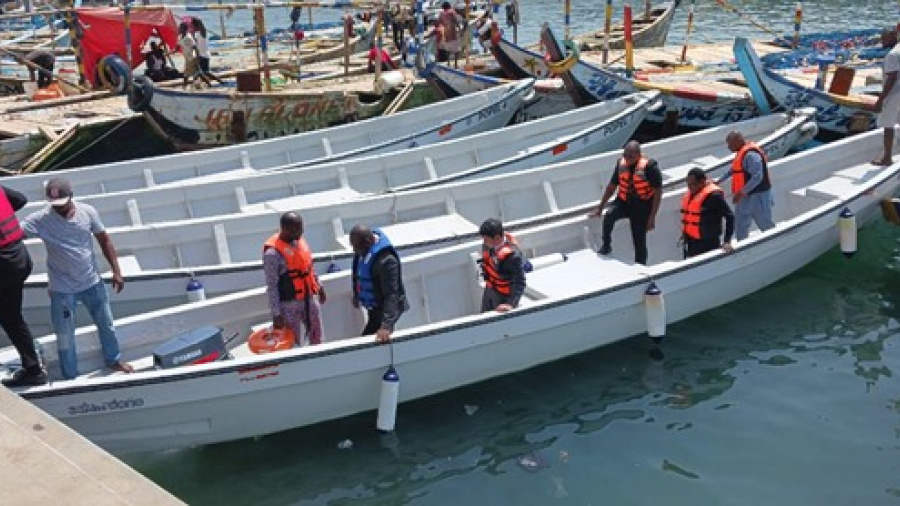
<point x="113" y="73"/>
<point x="140" y="94"/>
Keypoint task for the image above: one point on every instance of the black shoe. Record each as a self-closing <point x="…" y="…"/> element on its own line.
<point x="606" y="249"/>
<point x="26" y="377"/>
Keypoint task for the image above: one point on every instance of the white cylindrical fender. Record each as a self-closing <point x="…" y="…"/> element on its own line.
<point x="547" y="260"/>
<point x="847" y="231"/>
<point x="195" y="291"/>
<point x="655" y="309"/>
<point x="387" y="405"/>
<point x="389" y="80"/>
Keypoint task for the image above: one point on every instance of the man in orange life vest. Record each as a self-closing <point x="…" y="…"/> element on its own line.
<point x="638" y="184"/>
<point x="291" y="281"/>
<point x="15" y="267"/>
<point x="703" y="208"/>
<point x="503" y="268"/>
<point x="750" y="186"/>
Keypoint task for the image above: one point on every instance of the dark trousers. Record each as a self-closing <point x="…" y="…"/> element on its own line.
<point x="637" y="212"/>
<point x="694" y="247"/>
<point x="374" y="323"/>
<point x="12" y="321"/>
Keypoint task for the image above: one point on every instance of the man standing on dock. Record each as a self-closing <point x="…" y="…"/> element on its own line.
<point x="888" y="104"/>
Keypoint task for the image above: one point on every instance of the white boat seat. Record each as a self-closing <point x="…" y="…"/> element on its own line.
<point x="129" y="264"/>
<point x="305" y="201"/>
<point x="584" y="271"/>
<point x="860" y="172"/>
<point x="830" y="189"/>
<point x="450" y="225"/>
<point x="677" y="173"/>
<point x="703" y="161"/>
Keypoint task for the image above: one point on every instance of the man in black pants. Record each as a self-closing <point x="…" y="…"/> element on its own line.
<point x="377" y="281"/>
<point x="637" y="182"/>
<point x="703" y="208"/>
<point x="15" y="267"/>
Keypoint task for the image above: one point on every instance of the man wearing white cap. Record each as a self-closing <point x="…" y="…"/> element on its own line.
<point x="66" y="227"/>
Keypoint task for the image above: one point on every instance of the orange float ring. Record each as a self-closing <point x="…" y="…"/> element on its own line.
<point x="268" y="340"/>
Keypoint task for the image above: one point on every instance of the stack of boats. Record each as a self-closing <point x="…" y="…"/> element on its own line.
<point x="426" y="178"/>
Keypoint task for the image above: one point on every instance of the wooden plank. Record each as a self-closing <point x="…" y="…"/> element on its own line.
<point x="49" y="149"/>
<point x="48" y="132"/>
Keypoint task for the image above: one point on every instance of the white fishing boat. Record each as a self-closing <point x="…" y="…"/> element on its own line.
<point x="223" y="252"/>
<point x="442" y="342"/>
<point x="425" y="125"/>
<point x="582" y="132"/>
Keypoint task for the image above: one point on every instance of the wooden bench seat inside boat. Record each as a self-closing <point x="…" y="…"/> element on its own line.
<point x="305" y="201"/>
<point x="584" y="271"/>
<point x="427" y="229"/>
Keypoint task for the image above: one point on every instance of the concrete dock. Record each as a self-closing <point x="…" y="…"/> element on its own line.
<point x="45" y="462"/>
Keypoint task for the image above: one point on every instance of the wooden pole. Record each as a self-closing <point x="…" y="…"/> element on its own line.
<point x="567" y="7"/>
<point x="516" y="18"/>
<point x="648" y="9"/>
<point x="309" y="11"/>
<point x="798" y="18"/>
<point x="687" y="36"/>
<point x="467" y="37"/>
<point x="222" y="22"/>
<point x="629" y="42"/>
<point x="348" y="31"/>
<point x="127" y="20"/>
<point x="607" y="28"/>
<point x="260" y="14"/>
<point x="378" y="28"/>
<point x="75" y="38"/>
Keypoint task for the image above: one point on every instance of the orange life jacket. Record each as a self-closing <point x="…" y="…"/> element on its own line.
<point x="636" y="179"/>
<point x="300" y="277"/>
<point x="490" y="260"/>
<point x="691" y="205"/>
<point x="739" y="177"/>
<point x="10" y="231"/>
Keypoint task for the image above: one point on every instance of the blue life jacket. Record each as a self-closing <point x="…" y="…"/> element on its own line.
<point x="365" y="287"/>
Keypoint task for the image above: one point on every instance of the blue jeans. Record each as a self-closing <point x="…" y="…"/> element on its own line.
<point x="62" y="315"/>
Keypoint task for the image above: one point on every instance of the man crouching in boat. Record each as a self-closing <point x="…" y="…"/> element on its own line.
<point x="377" y="281"/>
<point x="503" y="268"/>
<point x="703" y="208"/>
<point x="291" y="281"/>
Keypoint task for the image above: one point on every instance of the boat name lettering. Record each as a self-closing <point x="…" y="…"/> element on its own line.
<point x="488" y="112"/>
<point x="279" y="111"/>
<point x="615" y="126"/>
<point x="254" y="373"/>
<point x="112" y="405"/>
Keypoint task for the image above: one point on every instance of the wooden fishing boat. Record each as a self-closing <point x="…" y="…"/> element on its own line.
<point x="427" y="125"/>
<point x="649" y="30"/>
<point x="443" y="342"/>
<point x="581" y="132"/>
<point x="223" y="252"/>
<point x="838" y="115"/>
<point x="550" y="98"/>
<point x="689" y="106"/>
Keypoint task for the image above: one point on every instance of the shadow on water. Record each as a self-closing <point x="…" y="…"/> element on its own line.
<point x="513" y="424"/>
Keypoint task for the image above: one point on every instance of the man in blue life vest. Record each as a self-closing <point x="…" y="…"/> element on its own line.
<point x="377" y="281"/>
<point x="751" y="188"/>
<point x="503" y="268"/>
<point x="637" y="183"/>
<point x="15" y="267"/>
<point x="292" y="286"/>
<point x="703" y="208"/>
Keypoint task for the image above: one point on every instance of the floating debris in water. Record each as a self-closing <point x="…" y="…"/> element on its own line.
<point x="345" y="444"/>
<point x="532" y="462"/>
<point x="470" y="410"/>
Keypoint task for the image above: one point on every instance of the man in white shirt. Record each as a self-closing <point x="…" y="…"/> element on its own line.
<point x="888" y="104"/>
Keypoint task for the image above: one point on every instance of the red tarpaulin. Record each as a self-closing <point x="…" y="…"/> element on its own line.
<point x="104" y="34"/>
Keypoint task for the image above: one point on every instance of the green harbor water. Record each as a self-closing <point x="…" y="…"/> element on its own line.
<point x="786" y="397"/>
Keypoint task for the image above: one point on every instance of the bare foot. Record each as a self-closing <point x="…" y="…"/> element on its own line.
<point x="882" y="162"/>
<point x="122" y="367"/>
